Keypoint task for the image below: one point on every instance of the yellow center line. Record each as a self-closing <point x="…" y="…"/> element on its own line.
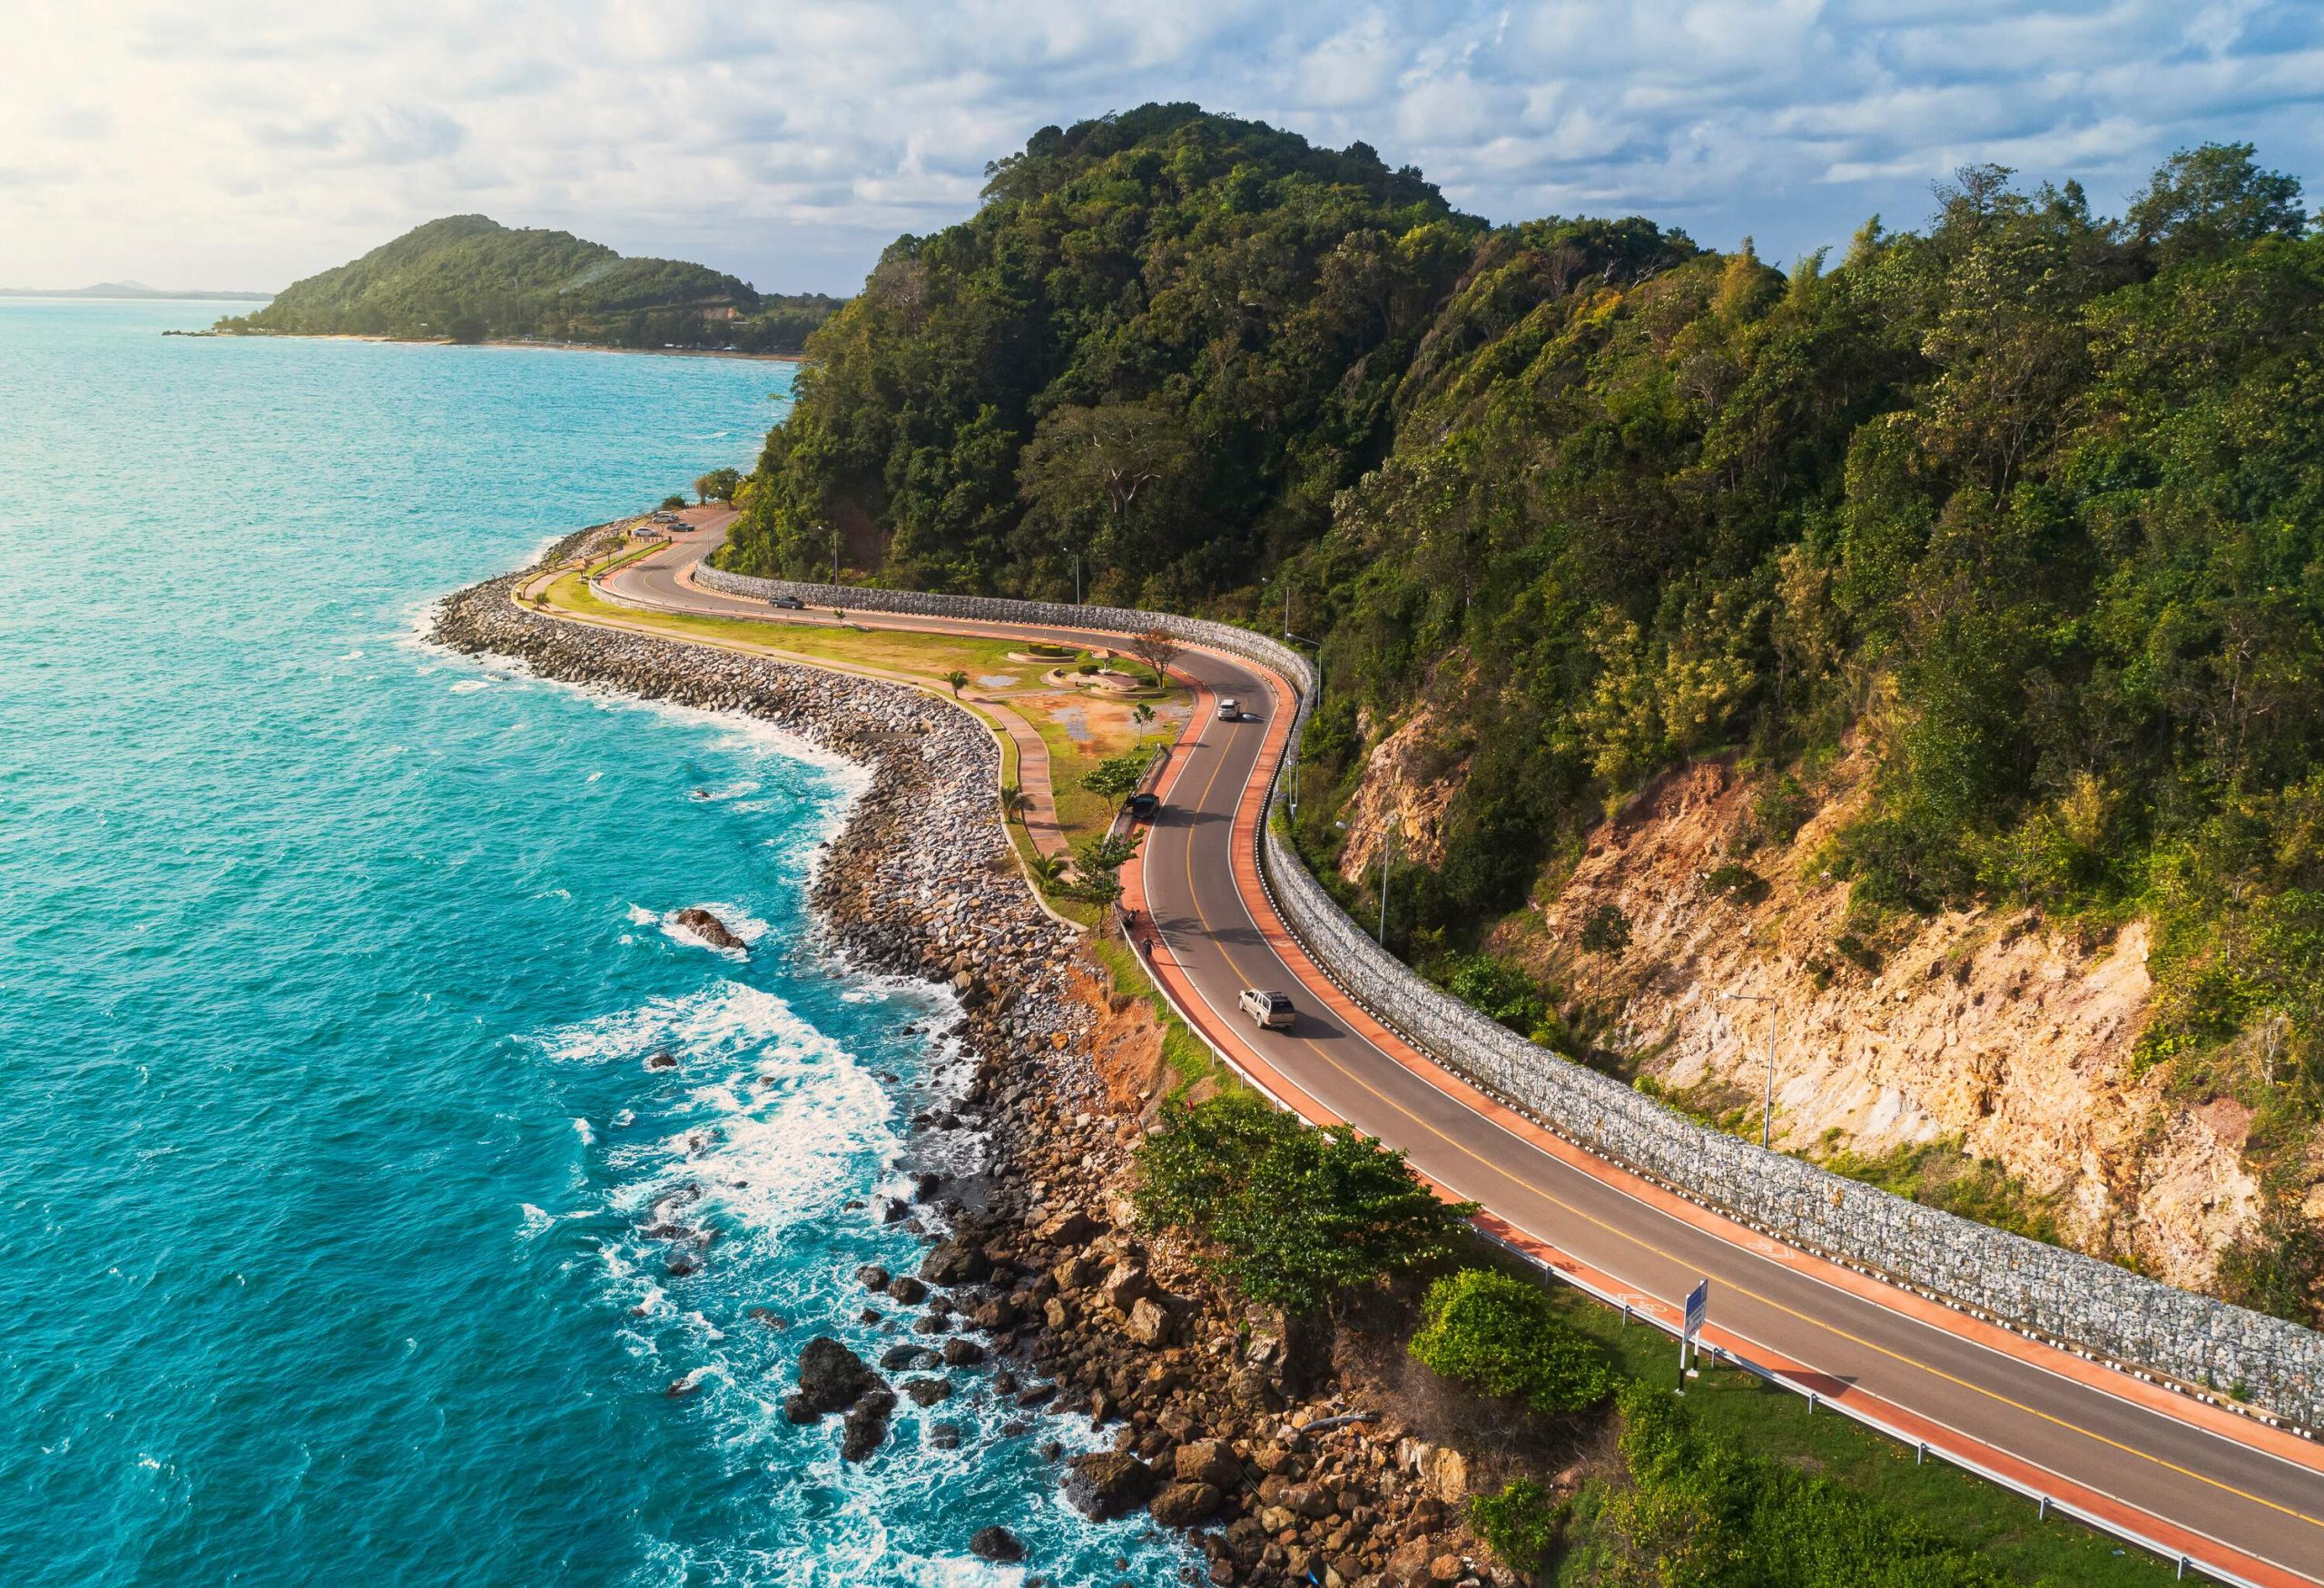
<point x="1233" y="965"/>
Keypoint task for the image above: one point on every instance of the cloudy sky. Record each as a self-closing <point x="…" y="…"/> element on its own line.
<point x="246" y="143"/>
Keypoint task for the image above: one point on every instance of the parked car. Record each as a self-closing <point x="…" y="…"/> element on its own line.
<point x="788" y="603"/>
<point x="1144" y="806"/>
<point x="1229" y="709"/>
<point x="1271" y="1012"/>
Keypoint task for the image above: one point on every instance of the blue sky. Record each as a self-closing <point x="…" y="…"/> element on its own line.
<point x="245" y="143"/>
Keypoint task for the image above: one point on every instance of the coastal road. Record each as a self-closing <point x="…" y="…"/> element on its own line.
<point x="2231" y="1496"/>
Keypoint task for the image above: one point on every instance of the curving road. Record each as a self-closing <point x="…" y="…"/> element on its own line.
<point x="2236" y="1498"/>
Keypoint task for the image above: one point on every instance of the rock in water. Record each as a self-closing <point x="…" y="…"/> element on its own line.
<point x="996" y="1544"/>
<point x="866" y="1427"/>
<point x="1108" y="1484"/>
<point x="710" y="929"/>
<point x="831" y="1379"/>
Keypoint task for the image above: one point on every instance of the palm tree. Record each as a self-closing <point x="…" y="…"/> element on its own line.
<point x="956" y="678"/>
<point x="1014" y="802"/>
<point x="1049" y="870"/>
<point x="1143" y="714"/>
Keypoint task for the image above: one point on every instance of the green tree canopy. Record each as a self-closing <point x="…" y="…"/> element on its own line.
<point x="1298" y="1215"/>
<point x="1116" y="777"/>
<point x="469" y="278"/>
<point x="1501" y="1336"/>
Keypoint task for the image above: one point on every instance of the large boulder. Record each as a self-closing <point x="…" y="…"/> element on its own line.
<point x="1071" y="1228"/>
<point x="1208" y="1461"/>
<point x="866" y="1428"/>
<point x="1106" y="1485"/>
<point x="831" y="1379"/>
<point x="1150" y="1323"/>
<point x="1125" y="1286"/>
<point x="710" y="929"/>
<point x="955" y="1262"/>
<point x="996" y="1544"/>
<point x="1186" y="1504"/>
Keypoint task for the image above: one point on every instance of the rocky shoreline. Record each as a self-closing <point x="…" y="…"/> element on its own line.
<point x="1038" y="1281"/>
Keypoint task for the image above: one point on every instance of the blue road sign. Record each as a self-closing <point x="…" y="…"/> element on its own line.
<point x="1697" y="1304"/>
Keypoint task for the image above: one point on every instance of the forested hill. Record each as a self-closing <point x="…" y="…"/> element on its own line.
<point x="470" y="279"/>
<point x="2027" y="505"/>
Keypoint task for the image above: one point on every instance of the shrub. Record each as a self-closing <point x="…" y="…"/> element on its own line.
<point x="1781" y="809"/>
<point x="673" y="502"/>
<point x="1860" y="954"/>
<point x="1298" y="1215"/>
<point x="1738" y="882"/>
<point x="1501" y="1336"/>
<point x="1116" y="777"/>
<point x="1607" y="932"/>
<point x="1520" y="1524"/>
<point x="1493" y="988"/>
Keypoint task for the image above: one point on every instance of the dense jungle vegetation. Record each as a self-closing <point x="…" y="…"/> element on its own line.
<point x="471" y="279"/>
<point x="2028" y="504"/>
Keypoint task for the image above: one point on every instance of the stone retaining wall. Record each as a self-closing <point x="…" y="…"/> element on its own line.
<point x="2049" y="1291"/>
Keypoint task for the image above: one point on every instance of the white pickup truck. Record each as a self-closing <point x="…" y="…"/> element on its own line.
<point x="1270" y="1011"/>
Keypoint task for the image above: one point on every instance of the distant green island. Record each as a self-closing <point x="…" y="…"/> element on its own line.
<point x="470" y="278"/>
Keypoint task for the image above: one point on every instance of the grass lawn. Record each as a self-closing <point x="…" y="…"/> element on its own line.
<point x="1962" y="1509"/>
<point x="1079" y="729"/>
<point x="1106" y="731"/>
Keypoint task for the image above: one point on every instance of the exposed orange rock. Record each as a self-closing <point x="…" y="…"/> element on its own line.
<point x="1983" y="1026"/>
<point x="1408" y="779"/>
<point x="1126" y="1046"/>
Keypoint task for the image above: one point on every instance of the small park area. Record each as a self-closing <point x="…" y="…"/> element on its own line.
<point x="1086" y="706"/>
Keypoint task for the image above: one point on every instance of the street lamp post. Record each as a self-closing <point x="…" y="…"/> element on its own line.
<point x="1387" y="843"/>
<point x="1387" y="849"/>
<point x="1768" y="1107"/>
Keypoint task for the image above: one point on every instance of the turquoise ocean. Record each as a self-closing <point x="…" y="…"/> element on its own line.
<point x="329" y="968"/>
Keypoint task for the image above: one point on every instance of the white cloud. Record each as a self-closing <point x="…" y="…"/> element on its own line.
<point x="248" y="142"/>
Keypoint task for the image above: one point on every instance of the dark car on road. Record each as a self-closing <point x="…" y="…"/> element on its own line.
<point x="788" y="603"/>
<point x="1144" y="806"/>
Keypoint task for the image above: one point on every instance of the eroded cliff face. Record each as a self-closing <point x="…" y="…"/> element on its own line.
<point x="1984" y="1027"/>
<point x="1409" y="779"/>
